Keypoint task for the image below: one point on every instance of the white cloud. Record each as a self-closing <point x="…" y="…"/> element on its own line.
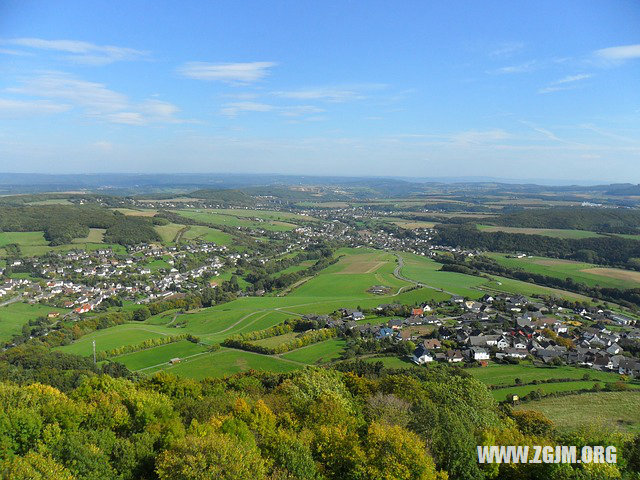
<point x="621" y="53"/>
<point x="97" y="100"/>
<point x="234" y="73"/>
<point x="520" y="68"/>
<point x="103" y="145"/>
<point x="80" y="52"/>
<point x="233" y="109"/>
<point x="329" y="94"/>
<point x="476" y="136"/>
<point x="507" y="49"/>
<point x="565" y="83"/>
<point x="35" y="107"/>
<point x="95" y="97"/>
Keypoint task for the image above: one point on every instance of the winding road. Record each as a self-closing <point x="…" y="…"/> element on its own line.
<point x="398" y="275"/>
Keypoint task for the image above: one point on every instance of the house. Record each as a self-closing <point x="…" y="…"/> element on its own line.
<point x="417" y="312"/>
<point x="432" y="344"/>
<point x="454" y="356"/>
<point x="478" y="354"/>
<point x="422" y="355"/>
<point x="395" y="323"/>
<point x="357" y="316"/>
<point x="384" y="332"/>
<point x="614" y="349"/>
<point x="456" y="299"/>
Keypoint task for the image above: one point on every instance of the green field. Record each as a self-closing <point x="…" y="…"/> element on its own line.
<point x="214" y="217"/>
<point x="155" y="356"/>
<point x="227" y="362"/>
<point x="22" y="238"/>
<point x="322" y="352"/>
<point x="275" y="341"/>
<point x="353" y="275"/>
<point x="34" y="244"/>
<point x="586" y="273"/>
<point x="425" y="270"/>
<point x="605" y="410"/>
<point x="107" y="339"/>
<point x="168" y="232"/>
<point x="207" y="234"/>
<point x="15" y="315"/>
<point x="96" y="235"/>
<point x="496" y="374"/>
<point x="547" y="232"/>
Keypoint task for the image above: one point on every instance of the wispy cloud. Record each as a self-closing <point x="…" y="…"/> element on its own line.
<point x="96" y="100"/>
<point x="80" y="52"/>
<point x="519" y="68"/>
<point x="13" y="107"/>
<point x="565" y="83"/>
<point x="479" y="136"/>
<point x="234" y="73"/>
<point x="506" y="49"/>
<point x="235" y="108"/>
<point x="619" y="54"/>
<point x="330" y="94"/>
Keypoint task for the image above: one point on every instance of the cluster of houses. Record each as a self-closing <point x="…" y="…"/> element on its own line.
<point x="518" y="330"/>
<point x="81" y="280"/>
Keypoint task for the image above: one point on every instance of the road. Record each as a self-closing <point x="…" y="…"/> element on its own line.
<point x="398" y="275"/>
<point x="11" y="300"/>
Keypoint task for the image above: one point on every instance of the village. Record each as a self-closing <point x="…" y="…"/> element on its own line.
<point x="500" y="328"/>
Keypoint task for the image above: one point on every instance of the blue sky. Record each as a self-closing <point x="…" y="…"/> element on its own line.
<point x="543" y="89"/>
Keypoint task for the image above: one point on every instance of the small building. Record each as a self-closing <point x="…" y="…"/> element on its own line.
<point x="174" y="361"/>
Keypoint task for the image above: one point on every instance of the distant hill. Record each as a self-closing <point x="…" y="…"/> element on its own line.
<point x="605" y="220"/>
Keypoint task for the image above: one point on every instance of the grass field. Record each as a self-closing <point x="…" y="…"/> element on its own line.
<point x="322" y="352"/>
<point x="168" y="232"/>
<point x="227" y="361"/>
<point x="275" y="341"/>
<point x="22" y="238"/>
<point x="158" y="355"/>
<point x="619" y="410"/>
<point x="137" y="213"/>
<point x="15" y="315"/>
<point x="586" y="273"/>
<point x="353" y="275"/>
<point x="96" y="235"/>
<point x="114" y="337"/>
<point x="496" y="374"/>
<point x="214" y="217"/>
<point x="547" y="232"/>
<point x="207" y="234"/>
<point x="34" y="244"/>
<point x="425" y="270"/>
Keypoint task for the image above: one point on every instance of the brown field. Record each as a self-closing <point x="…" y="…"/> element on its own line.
<point x="412" y="225"/>
<point x="552" y="262"/>
<point x="137" y="213"/>
<point x="361" y="267"/>
<point x="614" y="273"/>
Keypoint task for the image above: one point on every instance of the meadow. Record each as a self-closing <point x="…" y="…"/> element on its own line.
<point x="596" y="410"/>
<point x="207" y="234"/>
<point x="581" y="272"/>
<point x="213" y="217"/>
<point x="226" y="361"/>
<point x="159" y="355"/>
<point x="15" y="315"/>
<point x="322" y="352"/>
<point x="547" y="232"/>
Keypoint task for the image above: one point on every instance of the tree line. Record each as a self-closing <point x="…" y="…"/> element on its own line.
<point x="604" y="250"/>
<point x="62" y="223"/>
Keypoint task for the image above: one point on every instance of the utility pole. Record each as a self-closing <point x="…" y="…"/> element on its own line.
<point x="94" y="352"/>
